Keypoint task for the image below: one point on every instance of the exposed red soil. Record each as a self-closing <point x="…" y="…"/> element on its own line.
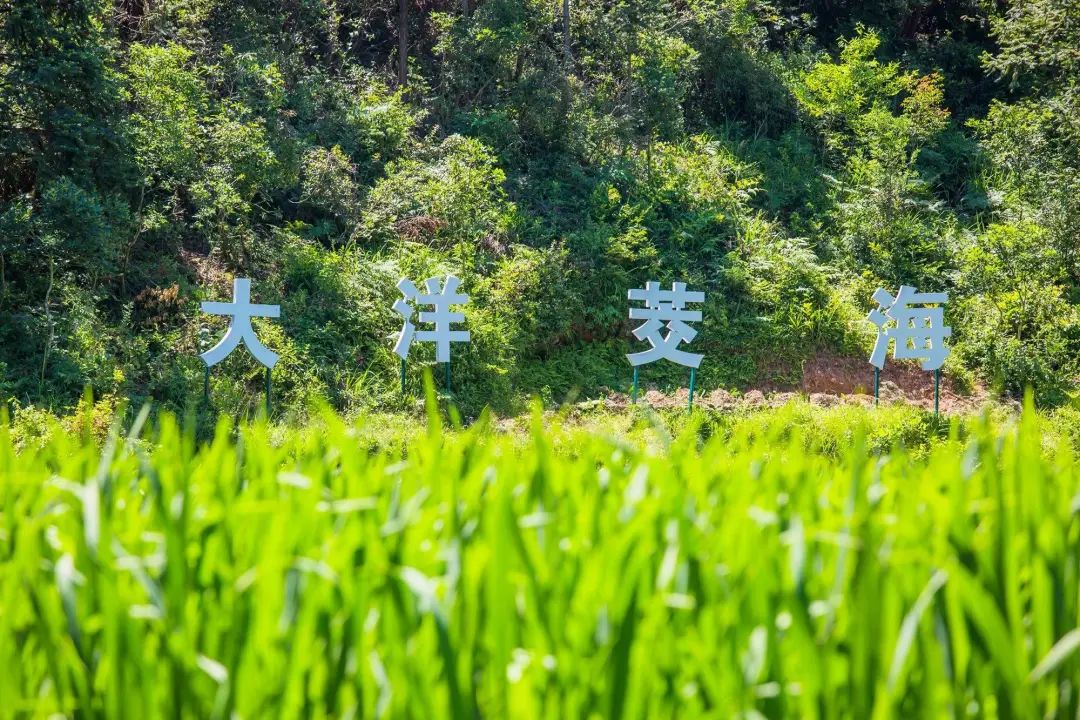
<point x="829" y="380"/>
<point x="900" y="382"/>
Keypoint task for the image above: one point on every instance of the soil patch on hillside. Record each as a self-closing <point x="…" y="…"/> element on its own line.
<point x="828" y="380"/>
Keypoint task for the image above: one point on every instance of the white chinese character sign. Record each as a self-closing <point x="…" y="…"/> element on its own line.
<point x="915" y="323"/>
<point x="441" y="318"/>
<point x="241" y="310"/>
<point x="917" y="329"/>
<point x="240" y="330"/>
<point x="666" y="327"/>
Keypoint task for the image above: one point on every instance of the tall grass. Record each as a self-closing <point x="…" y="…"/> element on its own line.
<point x="575" y="575"/>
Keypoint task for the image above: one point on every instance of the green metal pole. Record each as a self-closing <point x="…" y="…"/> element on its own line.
<point x="447" y="366"/>
<point x="877" y="384"/>
<point x="268" y="393"/>
<point x="633" y="390"/>
<point x="937" y="389"/>
<point x="402" y="376"/>
<point x="693" y="379"/>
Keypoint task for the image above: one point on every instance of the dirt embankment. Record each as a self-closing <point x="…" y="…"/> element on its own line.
<point x="830" y="380"/>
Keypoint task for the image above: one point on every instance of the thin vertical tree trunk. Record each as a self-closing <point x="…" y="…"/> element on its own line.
<point x="567" y="57"/>
<point x="403" y="43"/>
<point x="49" y="320"/>
<point x="648" y="158"/>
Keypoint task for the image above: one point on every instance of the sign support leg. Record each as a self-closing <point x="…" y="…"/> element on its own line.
<point x="206" y="385"/>
<point x="446" y="366"/>
<point x="693" y="379"/>
<point x="937" y="390"/>
<point x="402" y="376"/>
<point x="633" y="390"/>
<point x="267" y="393"/>
<point x="877" y="384"/>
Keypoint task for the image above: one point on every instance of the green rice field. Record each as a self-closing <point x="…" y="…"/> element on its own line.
<point x="795" y="563"/>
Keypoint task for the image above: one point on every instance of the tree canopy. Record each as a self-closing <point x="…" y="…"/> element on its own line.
<point x="786" y="157"/>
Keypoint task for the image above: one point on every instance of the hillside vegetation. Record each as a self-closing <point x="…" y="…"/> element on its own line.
<point x="786" y="156"/>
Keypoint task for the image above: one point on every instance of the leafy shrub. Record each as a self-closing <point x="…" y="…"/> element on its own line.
<point x="327" y="184"/>
<point x="459" y="187"/>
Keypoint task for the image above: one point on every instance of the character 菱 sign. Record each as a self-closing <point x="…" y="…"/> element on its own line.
<point x="665" y="307"/>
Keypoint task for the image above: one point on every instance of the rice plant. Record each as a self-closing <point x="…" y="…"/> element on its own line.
<point x="557" y="574"/>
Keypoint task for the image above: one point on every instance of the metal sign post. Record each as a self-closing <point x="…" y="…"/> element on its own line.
<point x="241" y="310"/>
<point x="441" y="299"/>
<point x="916" y="323"/>
<point x="693" y="379"/>
<point x="665" y="309"/>
<point x="937" y="389"/>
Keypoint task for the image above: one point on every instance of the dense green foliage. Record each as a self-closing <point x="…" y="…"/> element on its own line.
<point x="786" y="156"/>
<point x="772" y="565"/>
